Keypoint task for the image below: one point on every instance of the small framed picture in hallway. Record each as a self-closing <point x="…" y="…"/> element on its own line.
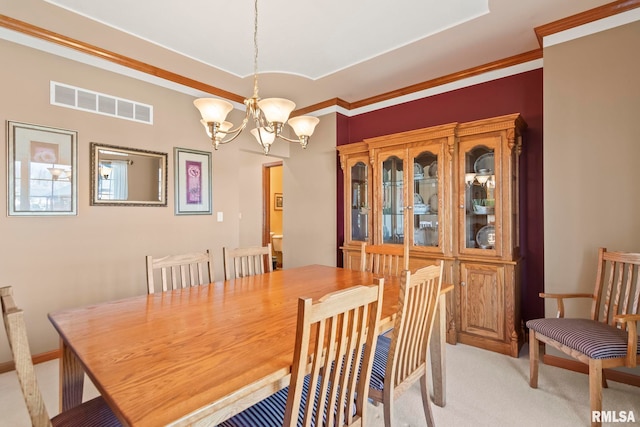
<point x="277" y="201"/>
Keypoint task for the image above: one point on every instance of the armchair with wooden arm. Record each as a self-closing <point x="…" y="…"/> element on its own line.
<point x="609" y="338"/>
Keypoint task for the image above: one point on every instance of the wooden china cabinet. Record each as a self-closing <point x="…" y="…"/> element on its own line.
<point x="450" y="192"/>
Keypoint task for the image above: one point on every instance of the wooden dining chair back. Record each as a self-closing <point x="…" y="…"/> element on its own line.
<point x="180" y="271"/>
<point x="92" y="413"/>
<point x="385" y="260"/>
<point x="333" y="355"/>
<point x="243" y="262"/>
<point x="609" y="338"/>
<point x="402" y="359"/>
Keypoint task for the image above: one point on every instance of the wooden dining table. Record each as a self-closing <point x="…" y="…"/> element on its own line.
<point x="199" y="355"/>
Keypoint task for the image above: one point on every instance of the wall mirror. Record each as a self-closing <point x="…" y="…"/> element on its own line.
<point x="127" y="177"/>
<point x="41" y="169"/>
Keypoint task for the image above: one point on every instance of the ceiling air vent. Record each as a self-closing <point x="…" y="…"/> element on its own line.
<point x="82" y="99"/>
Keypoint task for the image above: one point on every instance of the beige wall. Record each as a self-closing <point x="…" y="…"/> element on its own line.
<point x="591" y="156"/>
<point x="60" y="262"/>
<point x="309" y="217"/>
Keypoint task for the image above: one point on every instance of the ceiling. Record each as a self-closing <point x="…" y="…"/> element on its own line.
<point x="312" y="51"/>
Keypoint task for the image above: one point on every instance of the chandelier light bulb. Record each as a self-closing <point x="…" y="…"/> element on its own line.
<point x="482" y="179"/>
<point x="213" y="110"/>
<point x="55" y="172"/>
<point x="105" y="172"/>
<point x="223" y="129"/>
<point x="304" y="125"/>
<point x="276" y="110"/>
<point x="265" y="138"/>
<point x="469" y="178"/>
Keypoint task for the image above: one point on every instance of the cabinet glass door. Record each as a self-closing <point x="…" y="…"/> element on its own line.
<point x="360" y="208"/>
<point x="425" y="200"/>
<point x="392" y="200"/>
<point x="480" y="197"/>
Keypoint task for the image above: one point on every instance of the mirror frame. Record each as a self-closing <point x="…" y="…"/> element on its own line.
<point x="28" y="142"/>
<point x="95" y="147"/>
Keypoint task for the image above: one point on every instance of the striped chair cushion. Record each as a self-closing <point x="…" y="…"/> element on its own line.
<point x="380" y="363"/>
<point x="594" y="339"/>
<point x="94" y="413"/>
<point x="270" y="411"/>
<point x="267" y="412"/>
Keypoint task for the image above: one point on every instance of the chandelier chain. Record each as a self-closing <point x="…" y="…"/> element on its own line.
<point x="255" y="50"/>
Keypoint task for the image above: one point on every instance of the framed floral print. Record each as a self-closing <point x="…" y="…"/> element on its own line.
<point x="192" y="182"/>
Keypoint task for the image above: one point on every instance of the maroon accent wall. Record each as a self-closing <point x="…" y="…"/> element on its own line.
<point x="342" y="138"/>
<point x="520" y="93"/>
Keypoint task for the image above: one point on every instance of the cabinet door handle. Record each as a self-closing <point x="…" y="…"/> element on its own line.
<point x="463" y="284"/>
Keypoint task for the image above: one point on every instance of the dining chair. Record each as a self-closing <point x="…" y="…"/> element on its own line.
<point x="609" y="338"/>
<point x="94" y="412"/>
<point x="333" y="354"/>
<point x="242" y="262"/>
<point x="388" y="260"/>
<point x="402" y="359"/>
<point x="180" y="271"/>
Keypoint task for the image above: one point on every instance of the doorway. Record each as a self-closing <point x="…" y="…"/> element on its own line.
<point x="272" y="210"/>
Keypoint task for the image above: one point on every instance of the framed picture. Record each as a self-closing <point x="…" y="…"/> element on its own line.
<point x="41" y="170"/>
<point x="192" y="182"/>
<point x="277" y="201"/>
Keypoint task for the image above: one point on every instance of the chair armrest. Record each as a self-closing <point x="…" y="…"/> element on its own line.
<point x="545" y="295"/>
<point x="631" y="321"/>
<point x="560" y="299"/>
<point x="622" y="318"/>
<point x="446" y="289"/>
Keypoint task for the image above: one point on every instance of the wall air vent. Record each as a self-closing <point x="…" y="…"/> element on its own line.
<point x="82" y="99"/>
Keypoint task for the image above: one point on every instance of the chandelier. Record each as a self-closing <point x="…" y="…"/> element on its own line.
<point x="270" y="115"/>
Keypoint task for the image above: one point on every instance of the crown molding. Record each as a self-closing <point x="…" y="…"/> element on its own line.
<point x="330" y="104"/>
<point x="460" y="75"/>
<point x="586" y="17"/>
<point x="472" y="76"/>
<point x="95" y="51"/>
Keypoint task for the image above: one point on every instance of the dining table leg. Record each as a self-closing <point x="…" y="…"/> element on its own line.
<point x="71" y="379"/>
<point x="437" y="352"/>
